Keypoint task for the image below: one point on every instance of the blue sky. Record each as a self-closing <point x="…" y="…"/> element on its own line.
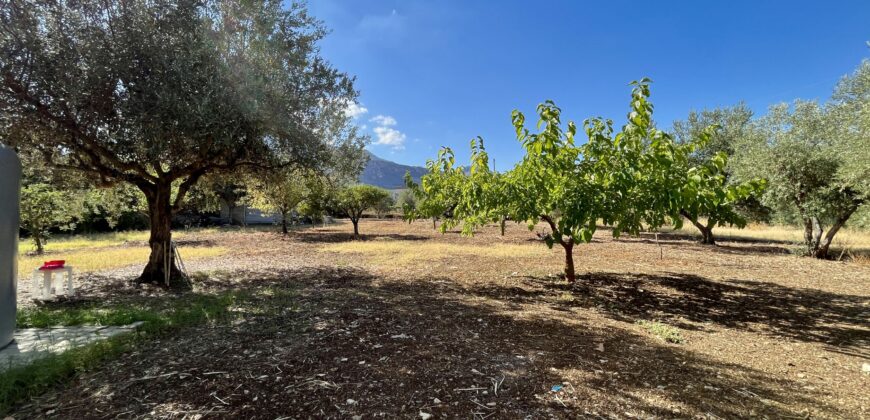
<point x="437" y="73"/>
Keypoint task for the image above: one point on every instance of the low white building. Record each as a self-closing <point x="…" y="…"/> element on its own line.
<point x="244" y="215"/>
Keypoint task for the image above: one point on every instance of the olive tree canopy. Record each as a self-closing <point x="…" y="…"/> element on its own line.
<point x="159" y="93"/>
<point x="815" y="158"/>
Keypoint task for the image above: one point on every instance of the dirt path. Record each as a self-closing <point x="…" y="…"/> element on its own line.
<point x="343" y="330"/>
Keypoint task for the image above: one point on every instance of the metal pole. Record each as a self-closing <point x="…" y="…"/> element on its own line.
<point x="10" y="185"/>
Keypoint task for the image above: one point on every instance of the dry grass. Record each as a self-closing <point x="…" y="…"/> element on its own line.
<point x="105" y="251"/>
<point x="854" y="240"/>
<point x="407" y="253"/>
<point x="58" y="243"/>
<point x="85" y="260"/>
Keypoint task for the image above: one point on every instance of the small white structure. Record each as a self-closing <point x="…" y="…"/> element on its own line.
<point x="48" y="283"/>
<point x="244" y="215"/>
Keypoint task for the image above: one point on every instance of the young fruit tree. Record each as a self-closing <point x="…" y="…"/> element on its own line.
<point x="356" y="199"/>
<point x="488" y="192"/>
<point x="279" y="192"/>
<point x="436" y="195"/>
<point x="44" y="208"/>
<point x="477" y="196"/>
<point x="158" y="94"/>
<point x="626" y="180"/>
<point x="732" y="125"/>
<point x="707" y="193"/>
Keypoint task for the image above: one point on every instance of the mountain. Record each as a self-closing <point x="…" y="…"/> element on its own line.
<point x="390" y="175"/>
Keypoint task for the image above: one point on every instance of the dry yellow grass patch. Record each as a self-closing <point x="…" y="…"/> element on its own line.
<point x="851" y="239"/>
<point x="77" y="242"/>
<point x="410" y="252"/>
<point x="108" y="258"/>
<point x="58" y="243"/>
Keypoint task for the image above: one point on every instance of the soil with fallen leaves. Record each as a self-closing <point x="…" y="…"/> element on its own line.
<point x="338" y="329"/>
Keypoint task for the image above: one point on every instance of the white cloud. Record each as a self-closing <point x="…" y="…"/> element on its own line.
<point x="384" y="120"/>
<point x="386" y="134"/>
<point x="389" y="136"/>
<point x="355" y="110"/>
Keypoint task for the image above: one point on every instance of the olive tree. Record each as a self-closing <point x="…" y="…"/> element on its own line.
<point x="733" y="123"/>
<point x="849" y="114"/>
<point x="158" y="94"/>
<point x="407" y="203"/>
<point x="383" y="207"/>
<point x="356" y="199"/>
<point x="815" y="159"/>
<point x="283" y="190"/>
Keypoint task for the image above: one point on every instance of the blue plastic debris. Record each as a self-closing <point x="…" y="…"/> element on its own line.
<point x="556" y="388"/>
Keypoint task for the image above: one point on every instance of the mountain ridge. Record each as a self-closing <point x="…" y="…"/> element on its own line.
<point x="388" y="174"/>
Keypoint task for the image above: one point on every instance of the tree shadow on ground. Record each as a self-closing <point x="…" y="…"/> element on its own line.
<point x="351" y="343"/>
<point x="181" y="242"/>
<point x="540" y="240"/>
<point x="677" y="236"/>
<point x="808" y="315"/>
<point x="194" y="242"/>
<point x="750" y="249"/>
<point x="673" y="244"/>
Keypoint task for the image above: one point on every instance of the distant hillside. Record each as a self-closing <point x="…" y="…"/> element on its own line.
<point x="386" y="174"/>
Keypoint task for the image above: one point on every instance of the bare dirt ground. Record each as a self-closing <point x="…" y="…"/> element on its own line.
<point x="411" y="323"/>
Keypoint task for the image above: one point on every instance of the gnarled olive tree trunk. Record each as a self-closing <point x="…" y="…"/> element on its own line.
<point x="161" y="267"/>
<point x="812" y="235"/>
<point x="284" y="223"/>
<point x="817" y="245"/>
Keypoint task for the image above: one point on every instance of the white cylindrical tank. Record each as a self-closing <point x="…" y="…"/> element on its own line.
<point x="10" y="184"/>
